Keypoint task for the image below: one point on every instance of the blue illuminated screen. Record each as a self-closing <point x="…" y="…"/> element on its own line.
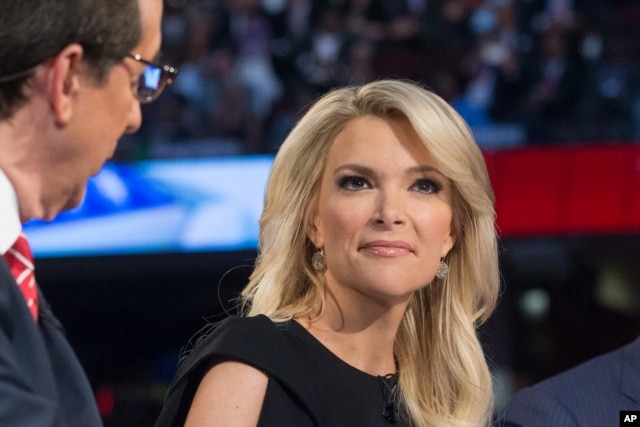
<point x="156" y="206"/>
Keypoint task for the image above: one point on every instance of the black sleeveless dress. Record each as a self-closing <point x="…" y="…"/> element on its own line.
<point x="308" y="385"/>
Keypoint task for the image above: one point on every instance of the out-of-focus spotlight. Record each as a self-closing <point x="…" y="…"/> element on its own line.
<point x="534" y="304"/>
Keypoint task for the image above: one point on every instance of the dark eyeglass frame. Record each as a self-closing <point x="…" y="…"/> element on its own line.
<point x="20" y="74"/>
<point x="144" y="94"/>
<point x="167" y="75"/>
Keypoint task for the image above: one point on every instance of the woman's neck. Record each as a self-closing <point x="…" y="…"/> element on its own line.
<point x="360" y="338"/>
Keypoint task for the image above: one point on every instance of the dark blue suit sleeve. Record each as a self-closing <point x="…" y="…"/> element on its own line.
<point x="589" y="395"/>
<point x="535" y="408"/>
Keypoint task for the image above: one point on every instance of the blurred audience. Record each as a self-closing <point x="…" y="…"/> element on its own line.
<point x="520" y="72"/>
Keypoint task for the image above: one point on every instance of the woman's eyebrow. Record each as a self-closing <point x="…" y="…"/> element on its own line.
<point x="423" y="169"/>
<point x="360" y="169"/>
<point x="364" y="170"/>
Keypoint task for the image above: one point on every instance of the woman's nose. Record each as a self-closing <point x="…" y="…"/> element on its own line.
<point x="388" y="210"/>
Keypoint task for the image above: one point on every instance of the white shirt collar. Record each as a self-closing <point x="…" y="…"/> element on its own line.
<point x="10" y="225"/>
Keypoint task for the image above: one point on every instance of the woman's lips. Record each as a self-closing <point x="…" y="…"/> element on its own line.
<point x="386" y="248"/>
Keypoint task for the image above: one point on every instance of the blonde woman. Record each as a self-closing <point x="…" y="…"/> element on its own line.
<point x="377" y="262"/>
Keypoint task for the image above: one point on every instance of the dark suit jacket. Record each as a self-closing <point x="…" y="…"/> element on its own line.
<point x="591" y="394"/>
<point x="41" y="381"/>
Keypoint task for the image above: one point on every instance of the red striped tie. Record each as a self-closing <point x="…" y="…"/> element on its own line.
<point x="20" y="262"/>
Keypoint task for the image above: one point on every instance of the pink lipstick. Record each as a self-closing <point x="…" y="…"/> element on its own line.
<point x="387" y="248"/>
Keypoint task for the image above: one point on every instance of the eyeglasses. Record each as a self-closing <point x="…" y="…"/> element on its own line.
<point x="20" y="74"/>
<point x="151" y="83"/>
<point x="153" y="79"/>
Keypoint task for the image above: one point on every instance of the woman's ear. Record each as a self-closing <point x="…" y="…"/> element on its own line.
<point x="449" y="243"/>
<point x="311" y="227"/>
<point x="64" y="81"/>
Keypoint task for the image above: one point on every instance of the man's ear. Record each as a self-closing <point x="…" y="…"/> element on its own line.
<point x="64" y="80"/>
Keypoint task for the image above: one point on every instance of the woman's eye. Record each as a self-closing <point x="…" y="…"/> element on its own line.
<point x="428" y="186"/>
<point x="353" y="183"/>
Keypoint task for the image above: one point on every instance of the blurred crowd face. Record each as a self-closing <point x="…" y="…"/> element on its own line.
<point x="383" y="212"/>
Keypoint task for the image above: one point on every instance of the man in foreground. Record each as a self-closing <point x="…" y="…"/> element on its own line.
<point x="72" y="77"/>
<point x="592" y="394"/>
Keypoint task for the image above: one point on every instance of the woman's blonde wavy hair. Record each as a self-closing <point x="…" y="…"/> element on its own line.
<point x="444" y="377"/>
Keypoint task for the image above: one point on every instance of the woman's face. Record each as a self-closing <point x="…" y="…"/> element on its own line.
<point x="383" y="212"/>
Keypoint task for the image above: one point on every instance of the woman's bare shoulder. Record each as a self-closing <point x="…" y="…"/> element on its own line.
<point x="230" y="394"/>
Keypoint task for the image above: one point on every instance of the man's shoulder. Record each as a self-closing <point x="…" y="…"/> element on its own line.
<point x="602" y="372"/>
<point x="591" y="393"/>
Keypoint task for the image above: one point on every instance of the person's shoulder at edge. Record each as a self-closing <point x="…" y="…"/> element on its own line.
<point x="566" y="398"/>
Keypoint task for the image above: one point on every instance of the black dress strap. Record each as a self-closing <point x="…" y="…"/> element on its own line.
<point x="256" y="341"/>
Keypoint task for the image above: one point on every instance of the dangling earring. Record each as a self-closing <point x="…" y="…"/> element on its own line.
<point x="442" y="271"/>
<point x="318" y="261"/>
